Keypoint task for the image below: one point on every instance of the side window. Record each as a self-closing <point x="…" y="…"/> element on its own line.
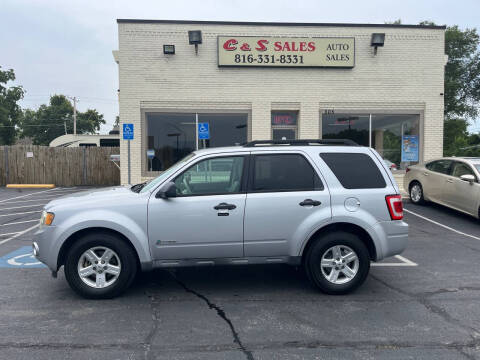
<point x="354" y="170"/>
<point x="460" y="169"/>
<point x="221" y="175"/>
<point x="440" y="166"/>
<point x="283" y="172"/>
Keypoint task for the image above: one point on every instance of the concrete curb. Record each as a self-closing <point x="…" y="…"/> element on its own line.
<point x="31" y="186"/>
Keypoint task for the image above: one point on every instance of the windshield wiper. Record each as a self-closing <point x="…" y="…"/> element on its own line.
<point x="137" y="187"/>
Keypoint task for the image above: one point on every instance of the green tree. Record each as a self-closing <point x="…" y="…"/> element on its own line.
<point x="53" y="120"/>
<point x="10" y="112"/>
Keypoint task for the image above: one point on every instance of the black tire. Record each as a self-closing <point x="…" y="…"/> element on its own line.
<point x="414" y="198"/>
<point x="322" y="245"/>
<point x="125" y="253"/>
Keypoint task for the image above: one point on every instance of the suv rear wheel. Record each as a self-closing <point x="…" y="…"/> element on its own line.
<point x="337" y="263"/>
<point x="100" y="266"/>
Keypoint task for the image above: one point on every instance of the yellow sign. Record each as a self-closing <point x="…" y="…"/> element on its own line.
<point x="288" y="52"/>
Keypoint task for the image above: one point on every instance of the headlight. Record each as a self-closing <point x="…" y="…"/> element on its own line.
<point x="47" y="218"/>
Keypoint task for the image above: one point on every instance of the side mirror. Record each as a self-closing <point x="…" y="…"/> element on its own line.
<point x="168" y="190"/>
<point x="468" y="177"/>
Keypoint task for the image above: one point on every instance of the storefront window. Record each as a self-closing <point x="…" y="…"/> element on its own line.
<point x="172" y="136"/>
<point x="284" y="125"/>
<point x="387" y="134"/>
<point x="346" y="126"/>
<point x="395" y="137"/>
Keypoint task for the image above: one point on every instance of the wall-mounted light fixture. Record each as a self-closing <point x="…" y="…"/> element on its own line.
<point x="169" y="49"/>
<point x="195" y="38"/>
<point x="378" y="39"/>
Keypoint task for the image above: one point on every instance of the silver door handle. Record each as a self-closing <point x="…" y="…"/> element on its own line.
<point x="450" y="180"/>
<point x="426" y="174"/>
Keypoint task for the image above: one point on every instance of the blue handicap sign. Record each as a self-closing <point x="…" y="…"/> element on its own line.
<point x="203" y="131"/>
<point x="20" y="258"/>
<point x="127" y="131"/>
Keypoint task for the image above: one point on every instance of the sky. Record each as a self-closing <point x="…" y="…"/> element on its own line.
<point x="65" y="46"/>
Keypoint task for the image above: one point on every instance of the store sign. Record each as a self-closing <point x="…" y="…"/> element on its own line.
<point x="286" y="52"/>
<point x="284" y="119"/>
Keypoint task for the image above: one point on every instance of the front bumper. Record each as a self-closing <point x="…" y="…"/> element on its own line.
<point x="44" y="247"/>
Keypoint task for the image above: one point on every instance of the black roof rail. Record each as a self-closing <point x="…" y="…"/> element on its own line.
<point x="338" y="142"/>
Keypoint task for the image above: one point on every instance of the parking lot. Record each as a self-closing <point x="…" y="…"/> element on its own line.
<point x="422" y="305"/>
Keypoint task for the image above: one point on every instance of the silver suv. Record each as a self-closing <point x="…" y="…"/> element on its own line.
<point x="330" y="206"/>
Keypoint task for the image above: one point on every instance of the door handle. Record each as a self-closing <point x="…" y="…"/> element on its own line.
<point x="310" y="202"/>
<point x="450" y="180"/>
<point x="224" y="206"/>
<point x="425" y="174"/>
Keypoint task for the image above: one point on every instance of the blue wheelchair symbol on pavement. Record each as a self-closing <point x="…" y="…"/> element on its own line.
<point x="203" y="131"/>
<point x="127" y="131"/>
<point x="20" y="258"/>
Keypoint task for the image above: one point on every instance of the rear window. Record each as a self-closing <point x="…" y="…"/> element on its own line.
<point x="354" y="171"/>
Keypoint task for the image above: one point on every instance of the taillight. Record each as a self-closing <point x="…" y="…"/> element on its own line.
<point x="407" y="169"/>
<point x="395" y="206"/>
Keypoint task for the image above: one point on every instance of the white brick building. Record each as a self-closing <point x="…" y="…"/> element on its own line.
<point x="381" y="100"/>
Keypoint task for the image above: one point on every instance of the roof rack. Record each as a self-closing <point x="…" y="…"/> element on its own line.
<point x="337" y="142"/>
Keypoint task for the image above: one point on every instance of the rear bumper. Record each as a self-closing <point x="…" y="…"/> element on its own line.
<point x="393" y="236"/>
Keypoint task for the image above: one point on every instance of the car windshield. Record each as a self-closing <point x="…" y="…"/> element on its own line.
<point x="153" y="183"/>
<point x="477" y="166"/>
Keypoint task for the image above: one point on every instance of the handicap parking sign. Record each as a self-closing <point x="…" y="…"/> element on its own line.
<point x="127" y="131"/>
<point x="203" y="131"/>
<point x="20" y="258"/>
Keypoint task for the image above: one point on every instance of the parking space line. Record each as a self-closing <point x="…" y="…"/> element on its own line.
<point x="18" y="234"/>
<point x="19" y="222"/>
<point x="19" y="207"/>
<point x="13" y="233"/>
<point x="22" y="196"/>
<point x="442" y="225"/>
<point x="404" y="262"/>
<point x="42" y="199"/>
<point x="27" y="212"/>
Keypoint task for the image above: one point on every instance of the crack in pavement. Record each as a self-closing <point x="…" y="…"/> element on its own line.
<point x="147" y="344"/>
<point x="221" y="313"/>
<point x="423" y="300"/>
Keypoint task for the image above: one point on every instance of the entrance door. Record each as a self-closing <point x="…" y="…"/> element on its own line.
<point x="205" y="220"/>
<point x="284" y="134"/>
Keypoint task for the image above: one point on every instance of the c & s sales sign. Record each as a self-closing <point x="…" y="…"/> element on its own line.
<point x="286" y="52"/>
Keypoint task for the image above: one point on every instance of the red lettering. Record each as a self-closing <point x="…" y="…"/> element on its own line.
<point x="302" y="46"/>
<point x="230" y="45"/>
<point x="311" y="46"/>
<point x="261" y="45"/>
<point x="286" y="46"/>
<point x="293" y="46"/>
<point x="245" y="47"/>
<point x="278" y="45"/>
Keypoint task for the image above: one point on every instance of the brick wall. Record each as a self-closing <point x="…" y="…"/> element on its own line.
<point x="406" y="75"/>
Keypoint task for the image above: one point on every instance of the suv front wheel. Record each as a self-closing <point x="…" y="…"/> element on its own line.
<point x="100" y="266"/>
<point x="337" y="263"/>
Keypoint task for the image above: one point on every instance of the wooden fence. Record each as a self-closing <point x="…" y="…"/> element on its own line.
<point x="31" y="164"/>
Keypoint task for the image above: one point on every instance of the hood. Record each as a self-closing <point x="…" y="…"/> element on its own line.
<point x="96" y="196"/>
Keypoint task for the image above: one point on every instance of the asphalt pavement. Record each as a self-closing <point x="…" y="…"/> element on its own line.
<point x="422" y="305"/>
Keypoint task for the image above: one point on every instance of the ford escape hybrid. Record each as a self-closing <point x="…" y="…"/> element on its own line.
<point x="330" y="206"/>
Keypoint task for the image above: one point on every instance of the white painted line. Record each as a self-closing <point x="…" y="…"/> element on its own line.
<point x="27" y="212"/>
<point x="10" y="233"/>
<point x="49" y="198"/>
<point x="442" y="225"/>
<point x="18" y="234"/>
<point x="405" y="262"/>
<point x="20" y="222"/>
<point x="19" y="207"/>
<point x="34" y="193"/>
